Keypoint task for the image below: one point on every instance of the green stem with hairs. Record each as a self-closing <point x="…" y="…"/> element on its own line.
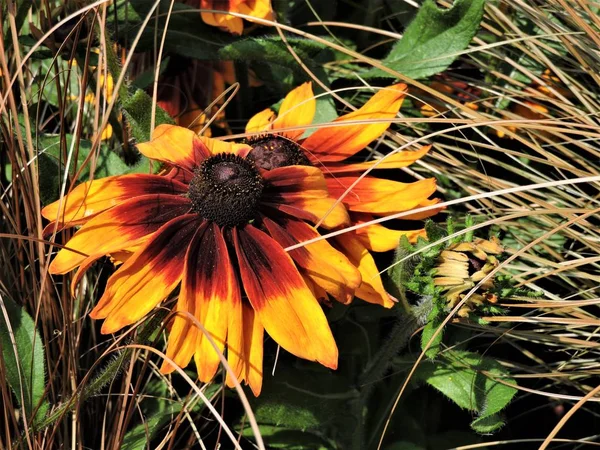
<point x="407" y="324"/>
<point x="105" y="376"/>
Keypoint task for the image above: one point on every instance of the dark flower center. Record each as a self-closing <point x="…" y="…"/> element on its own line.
<point x="275" y="151"/>
<point x="226" y="189"/>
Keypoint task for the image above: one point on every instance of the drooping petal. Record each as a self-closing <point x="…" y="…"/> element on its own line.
<point x="210" y="281"/>
<point x="336" y="143"/>
<point x="245" y="348"/>
<point x="261" y="121"/>
<point x="93" y="197"/>
<point x="298" y="108"/>
<point x="119" y="228"/>
<point x="256" y="8"/>
<point x="216" y="146"/>
<point x="176" y="146"/>
<point x="324" y="265"/>
<point x="425" y="214"/>
<point x="183" y="337"/>
<point x="380" y="196"/>
<point x="395" y="161"/>
<point x="301" y="191"/>
<point x="282" y="301"/>
<point x="378" y="238"/>
<point x="148" y="277"/>
<point x="371" y="289"/>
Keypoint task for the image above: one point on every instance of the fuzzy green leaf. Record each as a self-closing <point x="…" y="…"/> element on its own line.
<point x="273" y="62"/>
<point x="138" y="111"/>
<point x="433" y="39"/>
<point x="52" y="164"/>
<point x="433" y="323"/>
<point x="23" y="359"/>
<point x="460" y="377"/>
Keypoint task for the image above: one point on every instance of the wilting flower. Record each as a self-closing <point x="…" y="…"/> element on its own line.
<point x="330" y="148"/>
<point x="188" y="86"/>
<point x="468" y="95"/>
<point x="461" y="266"/>
<point x="216" y="224"/>
<point x="256" y="8"/>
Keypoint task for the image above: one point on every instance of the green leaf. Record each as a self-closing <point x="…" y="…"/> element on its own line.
<point x="138" y="112"/>
<point x="324" y="113"/>
<point x="289" y="439"/>
<point x="23" y="359"/>
<point x="433" y="39"/>
<point x="460" y="377"/>
<point x="52" y="164"/>
<point x="139" y="437"/>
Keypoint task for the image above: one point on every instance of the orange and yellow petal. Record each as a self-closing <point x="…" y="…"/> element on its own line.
<point x="93" y="197"/>
<point x="119" y="228"/>
<point x="245" y="348"/>
<point x="301" y="192"/>
<point x="226" y="22"/>
<point x="262" y="121"/>
<point x="338" y="142"/>
<point x="425" y="214"/>
<point x="210" y="281"/>
<point x="326" y="267"/>
<point x="380" y="196"/>
<point x="378" y="238"/>
<point x="176" y="146"/>
<point x="216" y="146"/>
<point x="298" y="109"/>
<point x="256" y="8"/>
<point x="148" y="277"/>
<point x="183" y="337"/>
<point x="394" y="161"/>
<point x="283" y="303"/>
<point x="371" y="289"/>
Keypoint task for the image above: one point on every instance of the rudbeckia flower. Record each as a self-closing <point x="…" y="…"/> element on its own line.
<point x="213" y="223"/>
<point x="256" y="8"/>
<point x="331" y="149"/>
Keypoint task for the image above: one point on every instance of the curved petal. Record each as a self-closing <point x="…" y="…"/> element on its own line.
<point x="324" y="265"/>
<point x="148" y="277"/>
<point x="371" y="289"/>
<point x="119" y="228"/>
<point x="216" y="146"/>
<point x="380" y="196"/>
<point x="262" y="121"/>
<point x="282" y="301"/>
<point x="298" y="108"/>
<point x="210" y="281"/>
<point x="176" y="146"/>
<point x="395" y="161"/>
<point x="301" y="191"/>
<point x="93" y="197"/>
<point x="378" y="238"/>
<point x="245" y="348"/>
<point x="336" y="143"/>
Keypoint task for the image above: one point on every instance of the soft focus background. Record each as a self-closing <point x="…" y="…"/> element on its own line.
<point x="507" y="92"/>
